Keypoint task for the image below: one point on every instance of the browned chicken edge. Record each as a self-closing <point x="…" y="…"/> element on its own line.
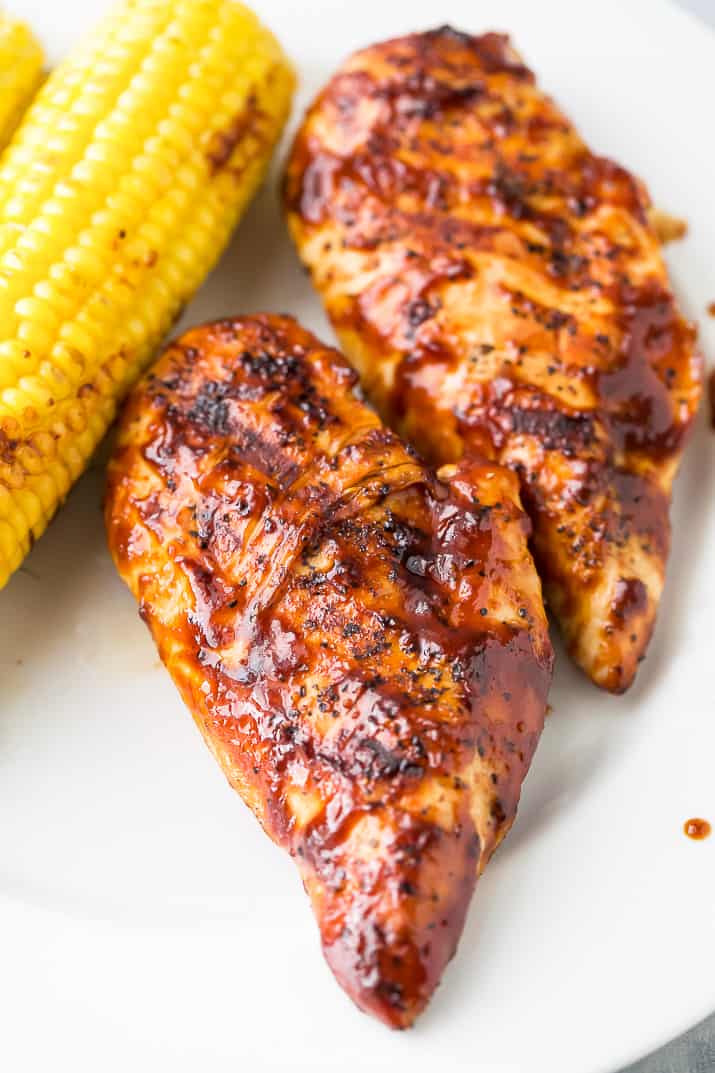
<point x="501" y="290"/>
<point x="362" y="645"/>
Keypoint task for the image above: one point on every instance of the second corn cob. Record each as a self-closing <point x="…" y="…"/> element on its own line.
<point x="21" y="62"/>
<point x="116" y="198"/>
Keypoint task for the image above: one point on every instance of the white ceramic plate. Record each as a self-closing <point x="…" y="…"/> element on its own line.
<point x="147" y="923"/>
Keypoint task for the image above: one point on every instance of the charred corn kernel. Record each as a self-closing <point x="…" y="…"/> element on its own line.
<point x="117" y="195"/>
<point x="21" y="62"/>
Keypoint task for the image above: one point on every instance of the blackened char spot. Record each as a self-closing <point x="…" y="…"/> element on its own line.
<point x="265" y="453"/>
<point x="420" y="310"/>
<point x="223" y="143"/>
<point x="421" y="95"/>
<point x="555" y="429"/>
<point x="511" y="190"/>
<point x="277" y="369"/>
<point x="210" y="411"/>
<point x="374" y="760"/>
<point x="492" y="50"/>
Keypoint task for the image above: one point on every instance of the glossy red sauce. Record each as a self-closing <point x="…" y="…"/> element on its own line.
<point x="333" y="616"/>
<point x="510" y="306"/>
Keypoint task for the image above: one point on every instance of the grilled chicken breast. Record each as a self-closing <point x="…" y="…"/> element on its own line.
<point x="362" y="645"/>
<point x="501" y="290"/>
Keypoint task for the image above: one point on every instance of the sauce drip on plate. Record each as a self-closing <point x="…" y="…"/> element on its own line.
<point x="697" y="829"/>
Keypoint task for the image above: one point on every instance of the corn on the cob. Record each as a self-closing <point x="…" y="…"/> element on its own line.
<point x="116" y="197"/>
<point x="21" y="61"/>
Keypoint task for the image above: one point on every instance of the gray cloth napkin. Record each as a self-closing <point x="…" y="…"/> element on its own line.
<point x="692" y="1053"/>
